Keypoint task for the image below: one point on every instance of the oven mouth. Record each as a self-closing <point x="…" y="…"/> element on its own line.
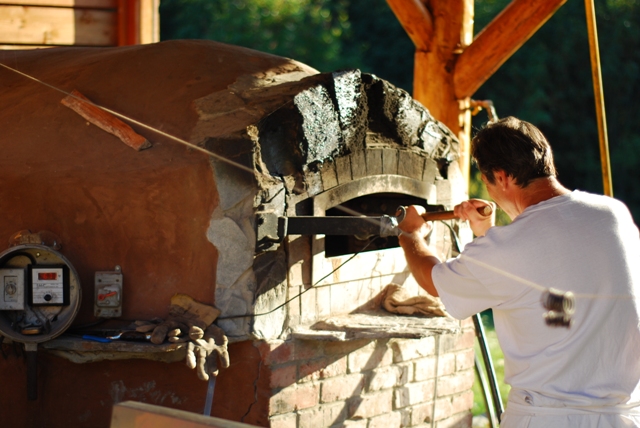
<point x="375" y="205"/>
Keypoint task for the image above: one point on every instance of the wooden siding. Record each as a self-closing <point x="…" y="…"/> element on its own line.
<point x="26" y="24"/>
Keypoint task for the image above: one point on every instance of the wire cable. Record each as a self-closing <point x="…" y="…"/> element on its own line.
<point x="304" y="291"/>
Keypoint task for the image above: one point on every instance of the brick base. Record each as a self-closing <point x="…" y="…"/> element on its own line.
<point x="362" y="383"/>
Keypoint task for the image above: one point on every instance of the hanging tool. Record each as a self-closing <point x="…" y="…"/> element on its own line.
<point x="211" y="386"/>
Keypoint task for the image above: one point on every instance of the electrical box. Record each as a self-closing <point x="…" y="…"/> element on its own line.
<point x="108" y="294"/>
<point x="12" y="297"/>
<point x="39" y="292"/>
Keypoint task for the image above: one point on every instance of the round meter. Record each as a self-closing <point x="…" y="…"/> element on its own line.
<point x="39" y="293"/>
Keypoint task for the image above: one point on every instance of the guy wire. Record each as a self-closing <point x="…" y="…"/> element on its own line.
<point x="132" y="120"/>
<point x="305" y="290"/>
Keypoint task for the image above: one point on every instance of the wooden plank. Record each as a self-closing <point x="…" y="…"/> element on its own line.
<point x="95" y="4"/>
<point x="108" y="123"/>
<point x="498" y="41"/>
<point x="57" y="26"/>
<point x="433" y="74"/>
<point x="21" y="47"/>
<point x="149" y="21"/>
<point x="128" y="22"/>
<point x="131" y="414"/>
<point x="416" y="21"/>
<point x="433" y="83"/>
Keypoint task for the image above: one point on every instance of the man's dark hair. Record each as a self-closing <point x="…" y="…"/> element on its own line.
<point x="514" y="146"/>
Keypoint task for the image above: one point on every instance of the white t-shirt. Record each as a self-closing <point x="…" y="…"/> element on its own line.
<point x="579" y="242"/>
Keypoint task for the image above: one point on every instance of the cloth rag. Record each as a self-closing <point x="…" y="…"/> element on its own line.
<point x="398" y="300"/>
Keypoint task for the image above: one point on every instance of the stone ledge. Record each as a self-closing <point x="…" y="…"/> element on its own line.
<point x="376" y="325"/>
<point x="78" y="350"/>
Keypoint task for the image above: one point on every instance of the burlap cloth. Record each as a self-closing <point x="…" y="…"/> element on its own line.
<point x="396" y="299"/>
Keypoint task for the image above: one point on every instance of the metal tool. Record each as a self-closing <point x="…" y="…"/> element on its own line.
<point x="485" y="210"/>
<point x="123" y="335"/>
<point x="211" y="386"/>
<point x="496" y="409"/>
<point x="274" y="229"/>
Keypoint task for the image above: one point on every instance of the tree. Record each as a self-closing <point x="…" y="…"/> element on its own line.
<point x="548" y="82"/>
<point x="309" y="31"/>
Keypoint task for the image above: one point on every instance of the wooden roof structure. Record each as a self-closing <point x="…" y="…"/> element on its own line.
<point x="451" y="64"/>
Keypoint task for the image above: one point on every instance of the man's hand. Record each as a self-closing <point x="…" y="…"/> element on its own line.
<point x="413" y="223"/>
<point x="468" y="210"/>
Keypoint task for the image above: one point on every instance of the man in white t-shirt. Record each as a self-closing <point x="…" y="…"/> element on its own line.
<point x="585" y="375"/>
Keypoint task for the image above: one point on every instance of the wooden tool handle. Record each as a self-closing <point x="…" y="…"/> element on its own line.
<point x="485" y="210"/>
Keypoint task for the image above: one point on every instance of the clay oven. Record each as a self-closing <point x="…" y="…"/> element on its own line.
<point x="310" y="345"/>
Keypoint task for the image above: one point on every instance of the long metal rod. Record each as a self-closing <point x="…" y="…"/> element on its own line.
<point x="486" y="393"/>
<point x="31" y="350"/>
<point x="488" y="363"/>
<point x="348" y="225"/>
<point x="598" y="93"/>
<point x="208" y="401"/>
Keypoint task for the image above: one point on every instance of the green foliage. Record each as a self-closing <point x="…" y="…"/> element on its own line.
<point x="309" y="31"/>
<point x="548" y="82"/>
<point x="478" y="190"/>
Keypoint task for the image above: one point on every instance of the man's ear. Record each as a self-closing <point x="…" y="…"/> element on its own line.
<point x="500" y="177"/>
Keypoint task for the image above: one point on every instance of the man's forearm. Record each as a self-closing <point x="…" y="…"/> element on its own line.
<point x="421" y="260"/>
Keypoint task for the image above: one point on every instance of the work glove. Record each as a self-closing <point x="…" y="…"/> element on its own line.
<point x="184" y="313"/>
<point x="205" y="349"/>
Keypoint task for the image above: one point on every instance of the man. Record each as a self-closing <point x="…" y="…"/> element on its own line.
<point x="587" y="375"/>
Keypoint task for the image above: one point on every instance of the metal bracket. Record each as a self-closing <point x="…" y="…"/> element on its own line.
<point x="271" y="229"/>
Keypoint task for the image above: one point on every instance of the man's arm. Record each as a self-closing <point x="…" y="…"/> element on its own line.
<point x="420" y="258"/>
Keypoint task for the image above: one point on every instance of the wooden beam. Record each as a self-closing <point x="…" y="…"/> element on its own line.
<point x="131" y="414"/>
<point x="498" y="41"/>
<point x="57" y="26"/>
<point x="105" y="121"/>
<point x="433" y="70"/>
<point x="416" y="21"/>
<point x="128" y="22"/>
<point x="94" y="4"/>
<point x="149" y="21"/>
<point x="22" y="47"/>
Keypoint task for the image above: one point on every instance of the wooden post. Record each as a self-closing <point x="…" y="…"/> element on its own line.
<point x="433" y="84"/>
<point x="128" y="22"/>
<point x="449" y="67"/>
<point x="598" y="93"/>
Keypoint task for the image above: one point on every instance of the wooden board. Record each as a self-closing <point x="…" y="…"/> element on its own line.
<point x="96" y="4"/>
<point x="149" y="21"/>
<point x="416" y="21"/>
<point x="57" y="26"/>
<point x="21" y="47"/>
<point x="131" y="414"/>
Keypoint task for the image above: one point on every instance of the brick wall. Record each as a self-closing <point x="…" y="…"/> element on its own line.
<point x="371" y="383"/>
